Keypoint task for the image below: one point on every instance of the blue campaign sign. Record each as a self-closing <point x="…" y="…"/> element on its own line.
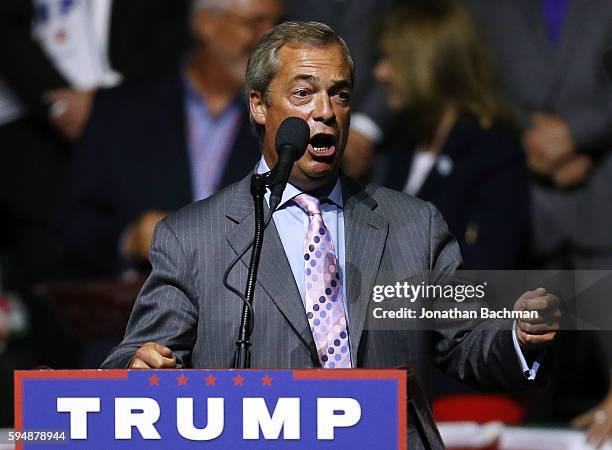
<point x="216" y="409"/>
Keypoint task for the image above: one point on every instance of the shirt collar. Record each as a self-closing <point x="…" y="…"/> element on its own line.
<point x="291" y="191"/>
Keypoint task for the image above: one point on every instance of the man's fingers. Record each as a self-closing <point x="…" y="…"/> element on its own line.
<point x="583" y="420"/>
<point x="148" y="356"/>
<point x="152" y="355"/>
<point x="540" y="328"/>
<point x="547" y="316"/>
<point x="598" y="433"/>
<point x="538" y="304"/>
<point x="163" y="350"/>
<point x="539" y="292"/>
<point x="138" y="363"/>
<point x="54" y="95"/>
<point x="538" y="300"/>
<point x="544" y="303"/>
<point x="168" y="363"/>
<point x="536" y="339"/>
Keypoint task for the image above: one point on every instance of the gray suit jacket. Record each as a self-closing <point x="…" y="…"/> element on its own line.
<point x="389" y="236"/>
<point x="567" y="79"/>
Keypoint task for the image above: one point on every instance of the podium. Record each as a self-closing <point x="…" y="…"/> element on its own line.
<point x="219" y="409"/>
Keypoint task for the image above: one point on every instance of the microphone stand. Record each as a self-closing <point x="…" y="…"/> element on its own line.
<point x="242" y="354"/>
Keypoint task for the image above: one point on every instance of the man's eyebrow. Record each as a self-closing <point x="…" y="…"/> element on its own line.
<point x="342" y="84"/>
<point x="337" y="84"/>
<point x="305" y="77"/>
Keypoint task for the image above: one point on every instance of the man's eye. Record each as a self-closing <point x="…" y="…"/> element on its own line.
<point x="344" y="95"/>
<point x="301" y="93"/>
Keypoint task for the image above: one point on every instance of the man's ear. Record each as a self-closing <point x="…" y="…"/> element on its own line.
<point x="257" y="108"/>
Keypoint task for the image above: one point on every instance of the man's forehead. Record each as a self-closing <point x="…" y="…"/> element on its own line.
<point x="266" y="8"/>
<point x="304" y="61"/>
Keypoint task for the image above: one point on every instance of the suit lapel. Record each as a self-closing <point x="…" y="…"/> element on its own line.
<point x="365" y="237"/>
<point x="274" y="274"/>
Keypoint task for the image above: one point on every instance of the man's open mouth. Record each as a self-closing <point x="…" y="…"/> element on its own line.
<point x="322" y="144"/>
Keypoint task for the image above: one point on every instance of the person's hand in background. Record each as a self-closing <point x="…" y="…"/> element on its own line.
<point x="70" y="110"/>
<point x="358" y="156"/>
<point x="137" y="237"/>
<point x="533" y="333"/>
<point x="572" y="172"/>
<point x="153" y="356"/>
<point x="597" y="421"/>
<point x="548" y="143"/>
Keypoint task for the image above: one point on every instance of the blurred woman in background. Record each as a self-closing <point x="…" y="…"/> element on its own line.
<point x="455" y="144"/>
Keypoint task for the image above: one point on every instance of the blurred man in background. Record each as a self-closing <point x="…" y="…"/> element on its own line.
<point x="153" y="147"/>
<point x="53" y="56"/>
<point x="549" y="56"/>
<point x="57" y="53"/>
<point x="552" y="73"/>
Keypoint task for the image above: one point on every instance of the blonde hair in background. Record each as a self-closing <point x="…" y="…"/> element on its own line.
<point x="440" y="60"/>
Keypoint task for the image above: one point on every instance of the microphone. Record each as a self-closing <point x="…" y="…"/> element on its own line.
<point x="292" y="139"/>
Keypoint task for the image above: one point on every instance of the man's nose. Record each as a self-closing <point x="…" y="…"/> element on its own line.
<point x="324" y="110"/>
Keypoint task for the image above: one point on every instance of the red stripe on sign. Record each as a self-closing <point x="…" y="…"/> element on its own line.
<point x="71" y="374"/>
<point x="364" y="374"/>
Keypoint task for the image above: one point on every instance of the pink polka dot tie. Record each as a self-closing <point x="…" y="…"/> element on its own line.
<point x="324" y="297"/>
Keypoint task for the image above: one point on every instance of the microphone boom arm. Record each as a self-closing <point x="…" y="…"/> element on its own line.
<point x="242" y="353"/>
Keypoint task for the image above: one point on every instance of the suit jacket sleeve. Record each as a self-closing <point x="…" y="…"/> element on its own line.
<point x="166" y="310"/>
<point x="27" y="69"/>
<point x="480" y="353"/>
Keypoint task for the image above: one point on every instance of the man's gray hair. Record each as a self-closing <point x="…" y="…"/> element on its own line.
<point x="211" y="5"/>
<point x="264" y="60"/>
<point x="197" y="4"/>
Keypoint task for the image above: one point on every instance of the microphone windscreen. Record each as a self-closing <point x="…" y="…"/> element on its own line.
<point x="294" y="133"/>
<point x="608" y="62"/>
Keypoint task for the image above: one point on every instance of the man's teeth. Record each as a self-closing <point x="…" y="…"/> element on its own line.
<point x="320" y="149"/>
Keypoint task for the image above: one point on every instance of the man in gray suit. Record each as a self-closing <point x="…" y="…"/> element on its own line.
<point x="330" y="242"/>
<point x="549" y="57"/>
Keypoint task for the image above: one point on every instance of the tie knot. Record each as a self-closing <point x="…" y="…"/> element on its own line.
<point x="309" y="204"/>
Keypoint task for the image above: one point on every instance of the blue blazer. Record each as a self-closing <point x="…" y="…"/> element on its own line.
<point x="134" y="158"/>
